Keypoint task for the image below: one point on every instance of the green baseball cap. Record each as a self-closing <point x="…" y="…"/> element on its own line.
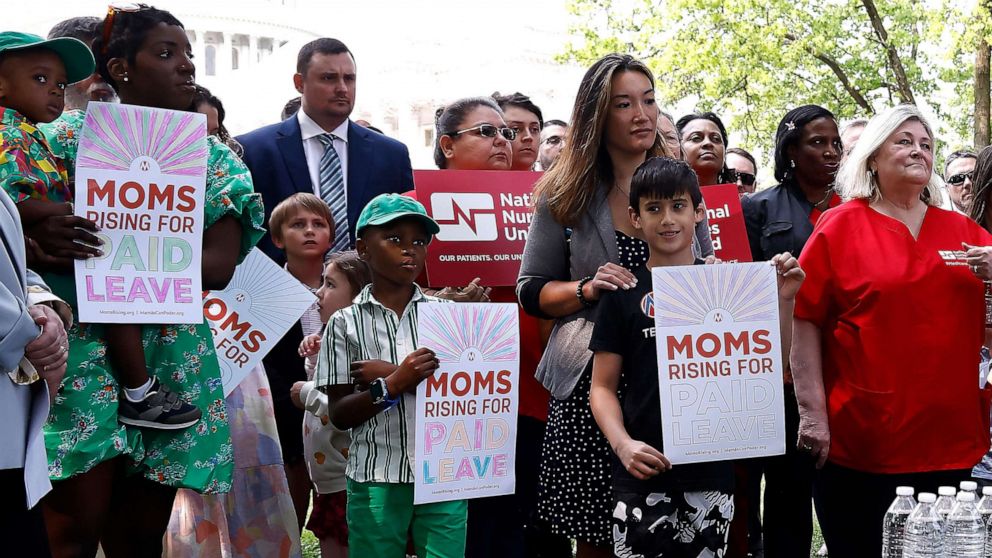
<point x="76" y="56"/>
<point x="385" y="208"/>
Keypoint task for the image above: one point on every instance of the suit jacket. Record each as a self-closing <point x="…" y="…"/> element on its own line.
<point x="23" y="408"/>
<point x="274" y="155"/>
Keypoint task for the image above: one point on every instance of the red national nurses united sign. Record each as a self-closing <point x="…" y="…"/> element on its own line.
<point x="484" y="217"/>
<point x="723" y="209"/>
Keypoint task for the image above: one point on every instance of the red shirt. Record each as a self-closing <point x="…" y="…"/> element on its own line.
<point x="902" y="332"/>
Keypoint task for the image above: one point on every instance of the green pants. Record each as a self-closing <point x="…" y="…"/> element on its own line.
<point x="381" y="515"/>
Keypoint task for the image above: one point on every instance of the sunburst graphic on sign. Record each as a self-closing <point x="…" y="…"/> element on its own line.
<point x="258" y="291"/>
<point x="726" y="293"/>
<point x="115" y="137"/>
<point x="485" y="332"/>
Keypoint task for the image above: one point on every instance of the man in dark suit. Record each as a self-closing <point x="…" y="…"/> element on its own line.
<point x="347" y="168"/>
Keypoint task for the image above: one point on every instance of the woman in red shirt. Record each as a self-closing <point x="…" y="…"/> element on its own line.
<point x="888" y="328"/>
<point x="475" y="134"/>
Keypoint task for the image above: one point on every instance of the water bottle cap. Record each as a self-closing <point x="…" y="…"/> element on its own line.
<point x="987" y="491"/>
<point x="970" y="486"/>
<point x="966" y="496"/>
<point x="904" y="491"/>
<point x="927" y="497"/>
<point x="946" y="491"/>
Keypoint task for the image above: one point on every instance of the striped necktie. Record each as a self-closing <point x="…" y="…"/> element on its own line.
<point x="332" y="192"/>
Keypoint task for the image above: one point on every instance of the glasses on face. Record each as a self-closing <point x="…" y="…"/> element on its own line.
<point x="488" y="131"/>
<point x="108" y="23"/>
<point x="554" y="140"/>
<point x="745" y="178"/>
<point x="959" y="178"/>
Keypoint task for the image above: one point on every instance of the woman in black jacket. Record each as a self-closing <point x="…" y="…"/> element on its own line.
<point x="807" y="154"/>
<point x="781" y="218"/>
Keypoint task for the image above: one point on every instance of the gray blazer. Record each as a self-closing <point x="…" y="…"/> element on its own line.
<point x="549" y="256"/>
<point x="23" y="408"/>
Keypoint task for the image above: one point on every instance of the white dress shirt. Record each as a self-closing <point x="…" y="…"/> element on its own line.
<point x="314" y="150"/>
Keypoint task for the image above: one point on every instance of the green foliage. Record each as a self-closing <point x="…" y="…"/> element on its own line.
<point x="752" y="60"/>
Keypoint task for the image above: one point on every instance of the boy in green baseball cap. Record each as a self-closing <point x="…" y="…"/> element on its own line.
<point x="34" y="73"/>
<point x="381" y="325"/>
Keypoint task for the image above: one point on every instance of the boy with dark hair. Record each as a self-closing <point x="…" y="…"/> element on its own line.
<point x="660" y="510"/>
<point x="393" y="233"/>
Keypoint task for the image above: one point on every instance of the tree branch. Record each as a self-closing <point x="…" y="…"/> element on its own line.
<point x="904" y="89"/>
<point x="838" y="71"/>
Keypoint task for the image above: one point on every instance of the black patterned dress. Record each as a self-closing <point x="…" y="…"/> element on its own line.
<point x="574" y="488"/>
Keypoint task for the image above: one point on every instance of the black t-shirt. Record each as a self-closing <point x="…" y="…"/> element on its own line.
<point x="625" y="326"/>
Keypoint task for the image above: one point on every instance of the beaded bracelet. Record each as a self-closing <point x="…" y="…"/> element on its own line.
<point x="578" y="292"/>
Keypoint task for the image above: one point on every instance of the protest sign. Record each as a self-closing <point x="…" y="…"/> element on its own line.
<point x="719" y="361"/>
<point x="484" y="217"/>
<point x="251" y="315"/>
<point x="467" y="410"/>
<point x="140" y="176"/>
<point x="723" y="210"/>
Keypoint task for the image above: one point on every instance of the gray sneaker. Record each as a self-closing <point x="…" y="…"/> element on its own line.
<point x="160" y="409"/>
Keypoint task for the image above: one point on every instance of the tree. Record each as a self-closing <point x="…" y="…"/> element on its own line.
<point x="753" y="60"/>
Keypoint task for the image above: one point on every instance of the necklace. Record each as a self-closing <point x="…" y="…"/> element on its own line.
<point x="830" y="192"/>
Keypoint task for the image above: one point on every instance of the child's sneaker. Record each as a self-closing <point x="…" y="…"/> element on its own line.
<point x="160" y="408"/>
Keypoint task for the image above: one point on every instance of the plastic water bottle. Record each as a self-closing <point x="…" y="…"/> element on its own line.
<point x="969" y="486"/>
<point x="894" y="524"/>
<point x="945" y="502"/>
<point x="924" y="530"/>
<point x="964" y="533"/>
<point x="985" y="504"/>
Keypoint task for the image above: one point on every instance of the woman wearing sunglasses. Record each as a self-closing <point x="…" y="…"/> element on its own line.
<point x="781" y="218"/>
<point x="472" y="136"/>
<point x="114" y="485"/>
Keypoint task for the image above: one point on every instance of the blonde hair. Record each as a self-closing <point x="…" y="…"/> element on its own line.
<point x="288" y="207"/>
<point x="855" y="180"/>
<point x="583" y="164"/>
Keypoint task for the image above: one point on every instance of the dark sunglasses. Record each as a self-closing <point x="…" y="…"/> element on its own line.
<point x="553" y="140"/>
<point x="488" y="131"/>
<point x="745" y="178"/>
<point x="959" y="178"/>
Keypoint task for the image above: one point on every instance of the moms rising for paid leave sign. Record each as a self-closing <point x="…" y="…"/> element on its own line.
<point x="484" y="217"/>
<point x="719" y="361"/>
<point x="140" y="176"/>
<point x="466" y="431"/>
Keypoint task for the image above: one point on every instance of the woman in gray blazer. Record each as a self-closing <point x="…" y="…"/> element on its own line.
<point x="581" y="242"/>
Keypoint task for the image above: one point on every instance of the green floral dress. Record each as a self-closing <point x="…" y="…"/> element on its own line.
<point x="83" y="431"/>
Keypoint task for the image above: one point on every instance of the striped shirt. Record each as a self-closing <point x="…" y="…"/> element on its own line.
<point x="382" y="448"/>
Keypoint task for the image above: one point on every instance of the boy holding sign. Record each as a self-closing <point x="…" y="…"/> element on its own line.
<point x="658" y="509"/>
<point x="33" y="76"/>
<point x="393" y="233"/>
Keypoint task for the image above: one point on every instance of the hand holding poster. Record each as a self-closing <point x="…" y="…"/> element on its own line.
<point x="467" y="410"/>
<point x="719" y="361"/>
<point x="140" y="176"/>
<point x="251" y="315"/>
<point x="484" y="217"/>
<point x="723" y="210"/>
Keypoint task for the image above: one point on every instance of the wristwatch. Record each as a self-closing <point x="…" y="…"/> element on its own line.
<point x="379" y="393"/>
